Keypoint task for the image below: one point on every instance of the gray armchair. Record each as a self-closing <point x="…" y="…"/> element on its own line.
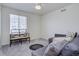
<point x="52" y="49"/>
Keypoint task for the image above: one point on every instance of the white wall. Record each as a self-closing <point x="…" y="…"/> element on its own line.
<point x="33" y="24"/>
<point x="60" y="22"/>
<point x="0" y="26"/>
<point x="46" y="25"/>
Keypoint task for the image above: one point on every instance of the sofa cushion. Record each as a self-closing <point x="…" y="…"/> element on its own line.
<point x="54" y="48"/>
<point x="50" y="52"/>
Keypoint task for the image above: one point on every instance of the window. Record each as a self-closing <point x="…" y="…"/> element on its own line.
<point x="18" y="24"/>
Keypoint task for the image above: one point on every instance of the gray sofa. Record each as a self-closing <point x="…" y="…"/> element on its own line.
<point x="60" y="49"/>
<point x="72" y="48"/>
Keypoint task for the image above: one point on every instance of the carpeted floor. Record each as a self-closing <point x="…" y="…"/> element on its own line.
<point x="21" y="50"/>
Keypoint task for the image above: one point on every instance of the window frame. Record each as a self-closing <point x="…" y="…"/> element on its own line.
<point x="26" y="30"/>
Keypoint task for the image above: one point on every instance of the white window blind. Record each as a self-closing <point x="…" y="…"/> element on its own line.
<point x="18" y="24"/>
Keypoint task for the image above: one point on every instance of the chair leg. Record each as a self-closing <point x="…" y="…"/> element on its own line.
<point x="10" y="43"/>
<point x="20" y="41"/>
<point x="29" y="39"/>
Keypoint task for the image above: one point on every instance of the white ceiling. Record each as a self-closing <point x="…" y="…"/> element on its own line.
<point x="30" y="7"/>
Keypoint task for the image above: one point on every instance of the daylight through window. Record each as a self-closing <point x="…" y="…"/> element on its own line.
<point x="18" y="24"/>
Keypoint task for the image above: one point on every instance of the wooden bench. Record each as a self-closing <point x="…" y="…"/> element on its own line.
<point x="14" y="38"/>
